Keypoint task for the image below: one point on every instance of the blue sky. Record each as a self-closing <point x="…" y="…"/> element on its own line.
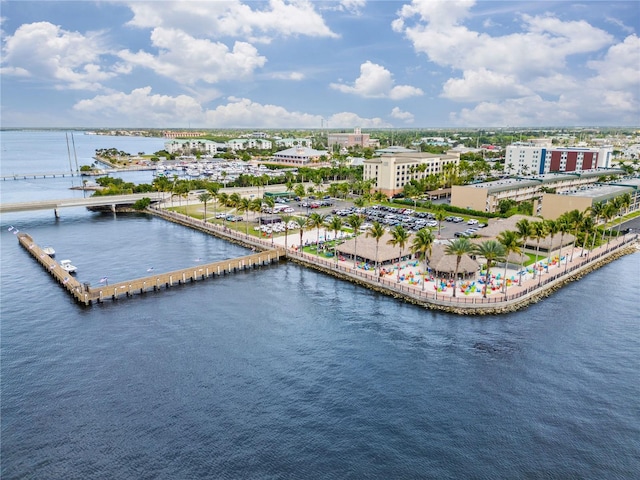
<point x="310" y="64"/>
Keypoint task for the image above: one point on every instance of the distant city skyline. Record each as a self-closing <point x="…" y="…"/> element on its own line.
<point x="336" y="64"/>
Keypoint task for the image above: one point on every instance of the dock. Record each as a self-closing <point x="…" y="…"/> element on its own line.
<point x="86" y="295"/>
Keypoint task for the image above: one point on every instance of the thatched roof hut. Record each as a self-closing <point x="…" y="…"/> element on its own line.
<point x="366" y="248"/>
<point x="444" y="264"/>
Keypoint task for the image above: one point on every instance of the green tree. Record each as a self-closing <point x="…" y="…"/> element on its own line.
<point x="205" y="198"/>
<point x="458" y="247"/>
<point x="335" y="225"/>
<point x="422" y="246"/>
<point x="399" y="237"/>
<point x="316" y="220"/>
<point x="355" y="222"/>
<point x="510" y="240"/>
<point x="492" y="251"/>
<point x="376" y="231"/>
<point x="286" y="219"/>
<point x="302" y="223"/>
<point x="538" y="232"/>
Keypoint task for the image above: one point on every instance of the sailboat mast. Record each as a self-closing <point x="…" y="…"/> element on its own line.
<point x="69" y="155"/>
<point x="75" y="154"/>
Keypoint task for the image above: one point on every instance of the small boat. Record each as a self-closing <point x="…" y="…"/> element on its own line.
<point x="67" y="266"/>
<point x="49" y="251"/>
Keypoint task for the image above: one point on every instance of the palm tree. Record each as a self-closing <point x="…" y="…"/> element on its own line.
<point x="399" y="237"/>
<point x="355" y="221"/>
<point x="492" y="251"/>
<point x="510" y="240"/>
<point x="523" y="229"/>
<point x="376" y="230"/>
<point x="302" y="223"/>
<point x="204" y="198"/>
<point x="458" y="247"/>
<point x="336" y="226"/>
<point x="538" y="232"/>
<point x="622" y="202"/>
<point x="316" y="220"/>
<point x="575" y="218"/>
<point x="588" y="226"/>
<point x="243" y="205"/>
<point x="223" y="198"/>
<point x="440" y="216"/>
<point x="608" y="213"/>
<point x="552" y="229"/>
<point x="286" y="219"/>
<point x="563" y="227"/>
<point x="421" y="245"/>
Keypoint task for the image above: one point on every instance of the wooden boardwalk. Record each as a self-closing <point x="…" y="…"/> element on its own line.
<point x="87" y="295"/>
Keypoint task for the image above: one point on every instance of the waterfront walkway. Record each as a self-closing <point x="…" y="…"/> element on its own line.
<point x="518" y="295"/>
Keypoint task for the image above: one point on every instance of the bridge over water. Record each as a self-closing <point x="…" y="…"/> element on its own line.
<point x="107" y="200"/>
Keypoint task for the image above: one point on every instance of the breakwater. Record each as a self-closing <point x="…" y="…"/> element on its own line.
<point x="497" y="303"/>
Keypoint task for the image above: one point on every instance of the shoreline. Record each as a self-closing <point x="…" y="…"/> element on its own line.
<point x="530" y="292"/>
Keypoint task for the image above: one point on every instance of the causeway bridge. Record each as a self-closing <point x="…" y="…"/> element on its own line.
<point x="87" y="295"/>
<point x="90" y="173"/>
<point x="99" y="201"/>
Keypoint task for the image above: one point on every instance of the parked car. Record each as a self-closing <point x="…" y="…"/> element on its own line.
<point x="472" y="221"/>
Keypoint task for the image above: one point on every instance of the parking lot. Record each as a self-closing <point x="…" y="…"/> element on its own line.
<point x="388" y="216"/>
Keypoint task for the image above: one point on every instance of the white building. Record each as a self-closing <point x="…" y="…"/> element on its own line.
<point x="302" y="156"/>
<point x="246" y="143"/>
<point x="538" y="158"/>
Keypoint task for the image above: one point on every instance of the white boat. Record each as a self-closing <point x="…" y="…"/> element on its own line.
<point x="49" y="251"/>
<point x="67" y="266"/>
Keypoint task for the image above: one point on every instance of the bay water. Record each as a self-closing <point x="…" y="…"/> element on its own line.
<point x="283" y="372"/>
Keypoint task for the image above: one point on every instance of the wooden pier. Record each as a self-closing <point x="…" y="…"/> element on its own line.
<point x="87" y="295"/>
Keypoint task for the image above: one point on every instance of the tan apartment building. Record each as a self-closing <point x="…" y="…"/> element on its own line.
<point x="393" y="171"/>
<point x="486" y="197"/>
<point x="346" y="140"/>
<point x="554" y="204"/>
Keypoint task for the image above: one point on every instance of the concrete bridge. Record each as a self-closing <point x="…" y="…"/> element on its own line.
<point x="107" y="200"/>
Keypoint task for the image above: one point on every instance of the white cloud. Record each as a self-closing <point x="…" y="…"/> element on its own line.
<point x="482" y="85"/>
<point x="406" y="117"/>
<point x="295" y="76"/>
<point x="143" y="108"/>
<point x="620" y="68"/>
<point x="375" y="81"/>
<point x="232" y="18"/>
<point x="70" y="60"/>
<point x="188" y="60"/>
<point x="531" y="77"/>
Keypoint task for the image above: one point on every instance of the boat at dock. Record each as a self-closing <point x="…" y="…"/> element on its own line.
<point x="67" y="266"/>
<point x="49" y="251"/>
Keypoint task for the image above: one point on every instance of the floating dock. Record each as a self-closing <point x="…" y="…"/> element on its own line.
<point x="85" y="294"/>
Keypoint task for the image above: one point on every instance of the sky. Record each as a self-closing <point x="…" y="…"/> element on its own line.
<point x="314" y="64"/>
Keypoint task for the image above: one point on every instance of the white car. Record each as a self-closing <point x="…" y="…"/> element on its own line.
<point x="472" y="221"/>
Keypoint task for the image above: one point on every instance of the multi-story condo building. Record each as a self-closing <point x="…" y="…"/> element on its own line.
<point x="537" y="158"/>
<point x="486" y="197"/>
<point x="393" y="171"/>
<point x="245" y="143"/>
<point x="293" y="142"/>
<point x="177" y="134"/>
<point x="185" y="147"/>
